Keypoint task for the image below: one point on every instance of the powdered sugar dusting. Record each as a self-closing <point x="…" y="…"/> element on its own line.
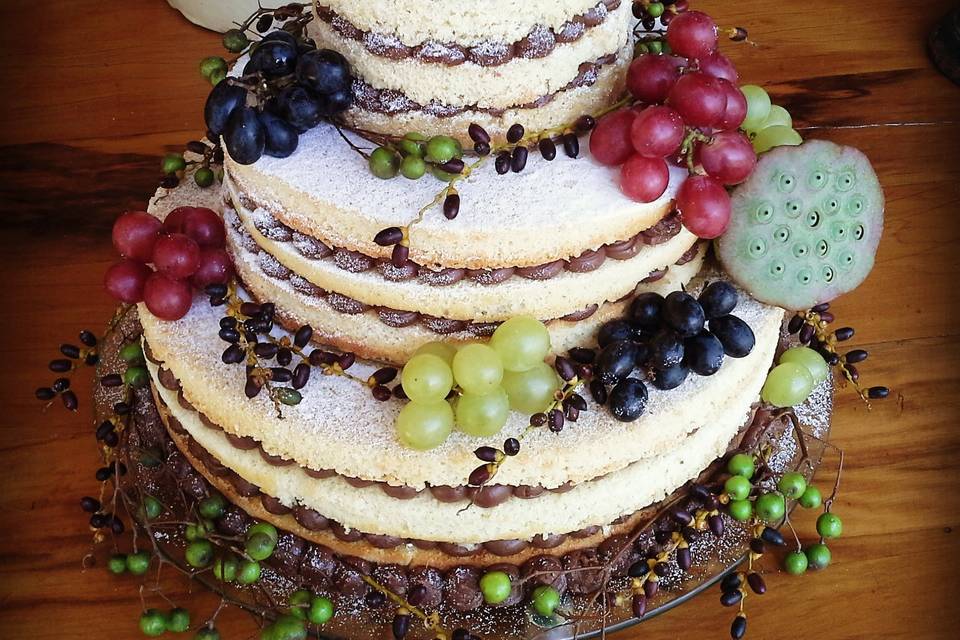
<point x="324" y="169"/>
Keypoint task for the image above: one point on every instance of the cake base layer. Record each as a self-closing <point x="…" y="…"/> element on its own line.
<point x="299" y="563"/>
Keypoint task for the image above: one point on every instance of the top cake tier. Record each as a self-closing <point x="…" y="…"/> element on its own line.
<point x="440" y="66"/>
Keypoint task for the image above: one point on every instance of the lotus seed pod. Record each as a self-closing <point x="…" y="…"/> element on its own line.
<point x="805" y="225"/>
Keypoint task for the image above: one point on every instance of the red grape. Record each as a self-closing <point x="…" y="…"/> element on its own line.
<point x="610" y="141"/>
<point x="134" y="234"/>
<point x="699" y="98"/>
<point x="177" y="219"/>
<point x="736" y="111"/>
<point x="205" y="227"/>
<point x="729" y="157"/>
<point x="124" y="280"/>
<point x="651" y="77"/>
<point x="166" y="298"/>
<point x="704" y="206"/>
<point x="692" y="34"/>
<point x="215" y="268"/>
<point x="719" y="66"/>
<point x="657" y="132"/>
<point x="644" y="179"/>
<point x="176" y="256"/>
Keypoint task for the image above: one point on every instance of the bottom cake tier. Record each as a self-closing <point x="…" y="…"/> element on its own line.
<point x="686" y="540"/>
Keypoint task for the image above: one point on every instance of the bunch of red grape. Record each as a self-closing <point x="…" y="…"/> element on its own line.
<point x="688" y="112"/>
<point x="186" y="250"/>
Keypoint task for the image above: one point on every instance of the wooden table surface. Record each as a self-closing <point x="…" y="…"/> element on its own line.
<point x="94" y="92"/>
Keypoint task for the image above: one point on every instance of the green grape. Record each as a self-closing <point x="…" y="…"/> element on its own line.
<point x="427" y="378"/>
<point x="531" y="391"/>
<point x="384" y="163"/>
<point x="778" y="117"/>
<point x="776" y="136"/>
<point x="413" y="168"/>
<point x="758" y="107"/>
<point x="477" y="369"/>
<point x="484" y="415"/>
<point x="787" y="385"/>
<point x="443" y="350"/>
<point x="522" y="342"/>
<point x="424" y="425"/>
<point x="813" y="361"/>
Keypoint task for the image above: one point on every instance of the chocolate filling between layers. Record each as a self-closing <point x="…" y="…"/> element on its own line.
<point x="486" y="498"/>
<point x="395" y="318"/>
<point x="355" y="262"/>
<point x="392" y="102"/>
<point x="539" y="43"/>
<point x="314" y="521"/>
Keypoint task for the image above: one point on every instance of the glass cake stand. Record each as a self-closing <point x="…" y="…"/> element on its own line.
<point x="712" y="558"/>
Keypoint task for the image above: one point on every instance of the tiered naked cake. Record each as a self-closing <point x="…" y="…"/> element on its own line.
<point x="559" y="242"/>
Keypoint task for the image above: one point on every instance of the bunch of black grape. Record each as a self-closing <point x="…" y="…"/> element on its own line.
<point x="667" y="339"/>
<point x="287" y="87"/>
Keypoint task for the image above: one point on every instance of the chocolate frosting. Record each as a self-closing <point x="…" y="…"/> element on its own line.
<point x="539" y="43"/>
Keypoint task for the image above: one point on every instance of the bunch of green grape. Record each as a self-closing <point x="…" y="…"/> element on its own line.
<point x="767" y="124"/>
<point x="490" y="380"/>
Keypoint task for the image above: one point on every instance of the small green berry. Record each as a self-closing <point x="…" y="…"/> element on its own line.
<point x="285" y="628"/>
<point x="299" y="603"/>
<point x="655" y="46"/>
<point x="818" y="556"/>
<point x="203" y="177"/>
<point x="249" y="572"/>
<point x="199" y="554"/>
<point x="770" y="507"/>
<point x="138" y="563"/>
<point x="226" y="569"/>
<point x="413" y="168"/>
<point x="178" y="620"/>
<point x="666" y="48"/>
<point x="737" y="487"/>
<point x="259" y="546"/>
<point x="212" y="63"/>
<point x="740" y="510"/>
<point x="655" y="9"/>
<point x="829" y="525"/>
<point x="262" y="527"/>
<point x="288" y="396"/>
<point x="443" y="149"/>
<point x="235" y="41"/>
<point x="412" y="145"/>
<point x="153" y="623"/>
<point x="207" y="633"/>
<point x="321" y="610"/>
<point x="152" y="508"/>
<point x="132" y="352"/>
<point x="795" y="563"/>
<point x="811" y="498"/>
<point x="172" y="162"/>
<point x="792" y="484"/>
<point x="384" y="163"/>
<point x="212" y="507"/>
<point x="495" y="587"/>
<point x="136" y="377"/>
<point x="640" y="48"/>
<point x="742" y="465"/>
<point x="546" y="599"/>
<point x="117" y="564"/>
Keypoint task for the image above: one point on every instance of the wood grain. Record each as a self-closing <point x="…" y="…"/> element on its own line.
<point x="95" y="92"/>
